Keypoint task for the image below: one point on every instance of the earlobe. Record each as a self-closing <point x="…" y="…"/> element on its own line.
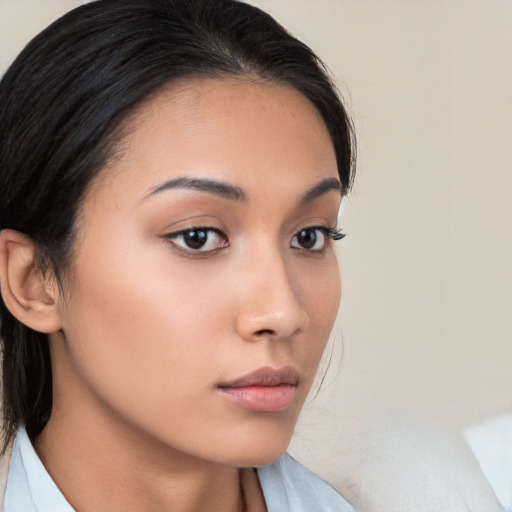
<point x="29" y="296"/>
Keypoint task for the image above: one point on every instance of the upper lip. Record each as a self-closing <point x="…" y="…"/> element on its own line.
<point x="266" y="376"/>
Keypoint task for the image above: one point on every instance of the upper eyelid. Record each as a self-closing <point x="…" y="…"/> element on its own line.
<point x="194" y="228"/>
<point x="329" y="229"/>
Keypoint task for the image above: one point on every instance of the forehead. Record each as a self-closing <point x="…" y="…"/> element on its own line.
<point x="239" y="131"/>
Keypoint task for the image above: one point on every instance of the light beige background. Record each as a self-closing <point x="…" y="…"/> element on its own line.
<point x="425" y="320"/>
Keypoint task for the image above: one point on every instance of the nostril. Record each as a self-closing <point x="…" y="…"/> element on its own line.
<point x="264" y="332"/>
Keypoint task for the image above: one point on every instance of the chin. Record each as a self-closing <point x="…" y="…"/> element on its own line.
<point x="257" y="450"/>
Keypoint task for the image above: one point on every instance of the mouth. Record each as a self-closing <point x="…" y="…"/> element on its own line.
<point x="264" y="390"/>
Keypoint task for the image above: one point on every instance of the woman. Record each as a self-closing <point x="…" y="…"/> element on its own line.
<point x="171" y="173"/>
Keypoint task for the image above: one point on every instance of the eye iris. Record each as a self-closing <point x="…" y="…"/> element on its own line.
<point x="195" y="239"/>
<point x="307" y="238"/>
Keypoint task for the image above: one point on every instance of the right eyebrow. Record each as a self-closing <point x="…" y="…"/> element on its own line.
<point x="320" y="189"/>
<point x="216" y="187"/>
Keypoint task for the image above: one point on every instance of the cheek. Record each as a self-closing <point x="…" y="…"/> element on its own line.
<point x="134" y="335"/>
<point x="320" y="290"/>
<point x="325" y="300"/>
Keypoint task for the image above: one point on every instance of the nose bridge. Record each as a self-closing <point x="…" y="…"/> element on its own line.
<point x="271" y="303"/>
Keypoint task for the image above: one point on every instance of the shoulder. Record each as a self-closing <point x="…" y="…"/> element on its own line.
<point x="289" y="486"/>
<point x="491" y="442"/>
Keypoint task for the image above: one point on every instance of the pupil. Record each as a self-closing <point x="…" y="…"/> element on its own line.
<point x="307" y="238"/>
<point x="195" y="239"/>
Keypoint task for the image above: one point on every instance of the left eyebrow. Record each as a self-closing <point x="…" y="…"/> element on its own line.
<point x="215" y="187"/>
<point x="320" y="189"/>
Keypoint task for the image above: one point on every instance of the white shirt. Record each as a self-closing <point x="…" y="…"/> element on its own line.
<point x="491" y="442"/>
<point x="287" y="485"/>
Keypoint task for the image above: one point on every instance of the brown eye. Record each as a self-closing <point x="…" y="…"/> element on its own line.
<point x="198" y="239"/>
<point x="311" y="239"/>
<point x="195" y="239"/>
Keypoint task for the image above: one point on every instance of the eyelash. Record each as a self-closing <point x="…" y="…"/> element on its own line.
<point x="334" y="234"/>
<point x="330" y="233"/>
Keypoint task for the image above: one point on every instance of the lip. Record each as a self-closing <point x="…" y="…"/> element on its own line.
<point x="266" y="389"/>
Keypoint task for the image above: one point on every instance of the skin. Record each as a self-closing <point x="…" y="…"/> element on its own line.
<point x="148" y="328"/>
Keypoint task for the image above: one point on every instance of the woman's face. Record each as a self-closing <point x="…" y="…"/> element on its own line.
<point x="203" y="256"/>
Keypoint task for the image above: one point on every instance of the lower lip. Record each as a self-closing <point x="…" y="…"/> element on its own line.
<point x="261" y="398"/>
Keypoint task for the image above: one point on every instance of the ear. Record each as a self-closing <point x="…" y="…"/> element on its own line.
<point x="29" y="296"/>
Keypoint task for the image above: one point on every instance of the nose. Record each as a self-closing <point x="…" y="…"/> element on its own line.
<point x="269" y="304"/>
